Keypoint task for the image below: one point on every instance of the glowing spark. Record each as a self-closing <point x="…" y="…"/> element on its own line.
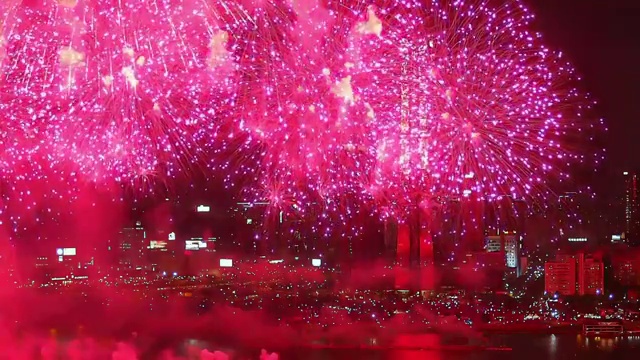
<point x="343" y="89"/>
<point x="68" y="3"/>
<point x="373" y="25"/>
<point x="218" y="52"/>
<point x="70" y="57"/>
<point x="130" y="76"/>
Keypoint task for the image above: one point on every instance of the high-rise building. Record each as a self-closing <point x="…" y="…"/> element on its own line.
<point x="560" y="276"/>
<point x="133" y="246"/>
<point x="507" y="243"/>
<point x="626" y="268"/>
<point x="630" y="201"/>
<point x="574" y="275"/>
<point x="590" y="275"/>
<point x="251" y="236"/>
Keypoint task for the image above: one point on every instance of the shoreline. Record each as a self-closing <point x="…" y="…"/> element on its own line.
<point x="529" y="328"/>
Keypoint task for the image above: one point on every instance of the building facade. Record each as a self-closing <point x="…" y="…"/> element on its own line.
<point x="571" y="275"/>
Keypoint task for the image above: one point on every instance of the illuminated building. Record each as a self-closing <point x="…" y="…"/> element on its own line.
<point x="200" y="255"/>
<point x="507" y="243"/>
<point x="132" y="248"/>
<point x="618" y="238"/>
<point x="251" y="237"/>
<point x="590" y="275"/>
<point x="574" y="275"/>
<point x="560" y="276"/>
<point x="506" y="219"/>
<point x="626" y="268"/>
<point x="627" y="272"/>
<point x="493" y="244"/>
<point x="631" y="219"/>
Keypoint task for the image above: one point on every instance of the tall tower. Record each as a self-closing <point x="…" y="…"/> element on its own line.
<point x="630" y="202"/>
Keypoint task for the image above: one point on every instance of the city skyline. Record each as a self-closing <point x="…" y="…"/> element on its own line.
<point x="327" y="179"/>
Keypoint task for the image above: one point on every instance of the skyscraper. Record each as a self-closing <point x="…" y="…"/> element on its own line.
<point x="132" y="247"/>
<point x="574" y="275"/>
<point x="630" y="201"/>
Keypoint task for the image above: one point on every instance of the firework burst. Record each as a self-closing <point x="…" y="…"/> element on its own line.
<point x="405" y="103"/>
<point x="124" y="89"/>
<point x="468" y="100"/>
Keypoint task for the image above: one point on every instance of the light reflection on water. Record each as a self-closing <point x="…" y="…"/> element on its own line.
<point x="524" y="347"/>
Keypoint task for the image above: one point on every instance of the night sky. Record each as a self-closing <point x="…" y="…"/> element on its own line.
<point x="602" y="40"/>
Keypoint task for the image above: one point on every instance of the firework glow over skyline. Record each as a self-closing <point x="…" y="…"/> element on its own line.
<point x="342" y="103"/>
<point x="402" y="104"/>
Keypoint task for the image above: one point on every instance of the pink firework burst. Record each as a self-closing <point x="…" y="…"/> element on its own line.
<point x="403" y="102"/>
<point x="304" y="124"/>
<point x="468" y="100"/>
<point x="125" y="89"/>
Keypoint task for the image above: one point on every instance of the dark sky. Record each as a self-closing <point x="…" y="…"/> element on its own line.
<point x="602" y="39"/>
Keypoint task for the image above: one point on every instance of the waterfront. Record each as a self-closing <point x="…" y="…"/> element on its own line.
<point x="524" y="347"/>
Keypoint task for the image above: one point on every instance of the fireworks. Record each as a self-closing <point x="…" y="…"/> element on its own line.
<point x="394" y="104"/>
<point x="481" y="106"/>
<point x="298" y="108"/>
<point x="407" y="102"/>
<point x="122" y="89"/>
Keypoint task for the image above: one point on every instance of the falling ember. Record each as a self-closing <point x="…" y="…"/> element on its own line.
<point x="130" y="76"/>
<point x="218" y="52"/>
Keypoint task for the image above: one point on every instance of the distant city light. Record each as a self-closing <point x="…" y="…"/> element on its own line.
<point x="172" y="236"/>
<point x="578" y="239"/>
<point x="625" y="173"/>
<point x="469" y="175"/>
<point x="69" y="251"/>
<point x="195" y="245"/>
<point x="153" y="244"/>
<point x="316" y="262"/>
<point x="226" y="263"/>
<point x="203" y="208"/>
<point x="58" y="252"/>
